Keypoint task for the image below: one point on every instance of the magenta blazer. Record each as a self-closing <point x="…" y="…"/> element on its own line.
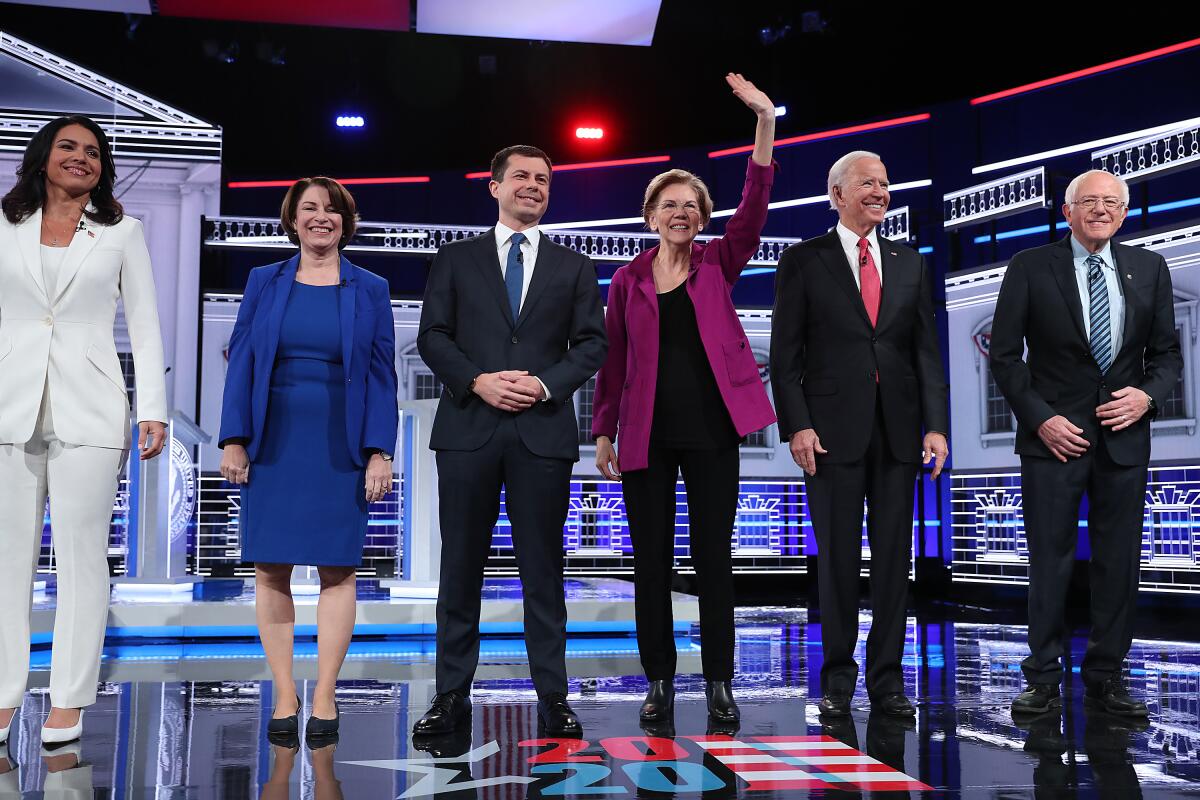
<point x="625" y="385"/>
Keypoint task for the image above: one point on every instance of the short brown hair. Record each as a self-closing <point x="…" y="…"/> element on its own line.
<point x="339" y="197"/>
<point x="500" y="160"/>
<point x="677" y="176"/>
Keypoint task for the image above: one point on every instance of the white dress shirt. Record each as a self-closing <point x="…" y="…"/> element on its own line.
<point x="849" y="240"/>
<point x="529" y="250"/>
<point x="1116" y="300"/>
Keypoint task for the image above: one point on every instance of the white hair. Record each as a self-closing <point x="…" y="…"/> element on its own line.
<point x="1073" y="186"/>
<point x="837" y="173"/>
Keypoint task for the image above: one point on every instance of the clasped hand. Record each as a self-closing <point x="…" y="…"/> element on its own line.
<point x="510" y="390"/>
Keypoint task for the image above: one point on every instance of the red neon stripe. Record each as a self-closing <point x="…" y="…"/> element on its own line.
<point x="1083" y="73"/>
<point x="620" y="162"/>
<point x="343" y="181"/>
<point x="814" y="137"/>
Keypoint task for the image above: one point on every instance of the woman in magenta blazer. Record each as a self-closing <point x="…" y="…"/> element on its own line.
<point x="681" y="386"/>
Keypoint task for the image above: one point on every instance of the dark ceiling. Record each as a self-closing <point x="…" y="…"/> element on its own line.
<point x="441" y="102"/>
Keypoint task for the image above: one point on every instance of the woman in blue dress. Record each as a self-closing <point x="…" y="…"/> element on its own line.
<point x="308" y="425"/>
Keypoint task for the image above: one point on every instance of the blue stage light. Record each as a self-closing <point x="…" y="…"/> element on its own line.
<point x="350" y="121"/>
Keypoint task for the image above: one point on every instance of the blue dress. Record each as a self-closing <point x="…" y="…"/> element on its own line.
<point x="305" y="502"/>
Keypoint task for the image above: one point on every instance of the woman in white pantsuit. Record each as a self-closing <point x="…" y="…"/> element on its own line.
<point x="67" y="255"/>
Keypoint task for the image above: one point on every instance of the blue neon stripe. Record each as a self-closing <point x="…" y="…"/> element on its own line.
<point x="1133" y="212"/>
<point x="925" y="250"/>
<point x="1193" y="201"/>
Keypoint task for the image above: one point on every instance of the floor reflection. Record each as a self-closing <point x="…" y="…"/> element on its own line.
<point x="204" y="737"/>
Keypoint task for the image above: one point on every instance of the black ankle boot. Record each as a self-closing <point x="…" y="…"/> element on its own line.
<point x="721" y="707"/>
<point x="660" y="702"/>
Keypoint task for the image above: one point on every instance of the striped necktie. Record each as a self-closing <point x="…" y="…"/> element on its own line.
<point x="1101" y="327"/>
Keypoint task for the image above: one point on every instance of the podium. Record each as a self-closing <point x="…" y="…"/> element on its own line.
<point x="162" y="499"/>
<point x="419" y="554"/>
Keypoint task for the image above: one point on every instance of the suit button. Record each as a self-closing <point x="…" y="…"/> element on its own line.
<point x="741" y="345"/>
<point x="874" y="340"/>
<point x="514" y="340"/>
<point x="48" y="321"/>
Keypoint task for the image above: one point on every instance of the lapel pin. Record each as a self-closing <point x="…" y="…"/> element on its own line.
<point x="91" y="234"/>
<point x="893" y="252"/>
<point x="1129" y="275"/>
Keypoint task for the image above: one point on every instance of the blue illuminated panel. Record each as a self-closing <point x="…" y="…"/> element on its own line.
<point x="989" y="534"/>
<point x="768" y="533"/>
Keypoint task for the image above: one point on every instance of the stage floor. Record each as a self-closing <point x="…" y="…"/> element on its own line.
<point x="187" y="721"/>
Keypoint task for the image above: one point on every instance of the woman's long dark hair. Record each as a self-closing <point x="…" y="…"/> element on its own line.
<point x="29" y="194"/>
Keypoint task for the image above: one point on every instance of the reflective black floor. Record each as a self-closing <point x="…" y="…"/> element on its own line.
<point x="189" y="721"/>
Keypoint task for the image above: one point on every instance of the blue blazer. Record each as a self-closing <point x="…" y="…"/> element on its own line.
<point x="368" y="357"/>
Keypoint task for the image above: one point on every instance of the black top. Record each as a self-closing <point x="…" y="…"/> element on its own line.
<point x="688" y="410"/>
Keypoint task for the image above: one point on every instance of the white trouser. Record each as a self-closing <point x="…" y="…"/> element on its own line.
<point x="81" y="482"/>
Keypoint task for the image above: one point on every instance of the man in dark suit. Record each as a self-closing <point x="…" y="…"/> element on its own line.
<point x="512" y="325"/>
<point x="1099" y="321"/>
<point x="857" y="374"/>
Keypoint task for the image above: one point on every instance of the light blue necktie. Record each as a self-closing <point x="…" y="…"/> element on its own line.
<point x="1101" y="328"/>
<point x="514" y="274"/>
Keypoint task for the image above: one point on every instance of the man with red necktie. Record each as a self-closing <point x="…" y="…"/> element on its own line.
<point x="857" y="377"/>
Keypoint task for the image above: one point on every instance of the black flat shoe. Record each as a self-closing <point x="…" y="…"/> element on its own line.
<point x="721" y="707"/>
<point x="659" y="705"/>
<point x="317" y="727"/>
<point x="448" y="711"/>
<point x="285" y="726"/>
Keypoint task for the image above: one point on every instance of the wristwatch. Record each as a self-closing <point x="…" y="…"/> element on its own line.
<point x="385" y="456"/>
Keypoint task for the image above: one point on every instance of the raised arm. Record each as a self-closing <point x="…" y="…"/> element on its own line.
<point x="740" y="242"/>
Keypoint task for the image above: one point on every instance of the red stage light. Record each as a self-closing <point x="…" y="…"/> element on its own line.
<point x="589" y="132"/>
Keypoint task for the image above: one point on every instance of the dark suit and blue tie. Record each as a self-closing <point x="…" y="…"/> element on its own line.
<point x="512" y="325"/>
<point x="1098" y="320"/>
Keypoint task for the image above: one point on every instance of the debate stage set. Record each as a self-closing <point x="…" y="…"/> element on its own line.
<point x="976" y="176"/>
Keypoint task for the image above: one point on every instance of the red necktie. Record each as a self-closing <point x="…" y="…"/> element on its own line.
<point x="868" y="279"/>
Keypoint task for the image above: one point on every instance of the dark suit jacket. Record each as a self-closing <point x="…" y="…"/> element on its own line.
<point x="467" y="329"/>
<point x="1040" y="307"/>
<point x="368" y="358"/>
<point x="824" y="352"/>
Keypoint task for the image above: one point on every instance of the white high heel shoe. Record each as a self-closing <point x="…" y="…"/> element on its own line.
<point x="4" y="731"/>
<point x="59" y="735"/>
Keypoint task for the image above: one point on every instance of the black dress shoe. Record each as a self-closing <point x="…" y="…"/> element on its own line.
<point x="1038" y="698"/>
<point x="317" y="727"/>
<point x="659" y="705"/>
<point x="447" y="711"/>
<point x="1111" y="696"/>
<point x="834" y="705"/>
<point x="556" y="716"/>
<point x="721" y="707"/>
<point x="285" y="726"/>
<point x="895" y="704"/>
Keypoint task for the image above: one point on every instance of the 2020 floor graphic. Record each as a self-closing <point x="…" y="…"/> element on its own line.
<point x="660" y="764"/>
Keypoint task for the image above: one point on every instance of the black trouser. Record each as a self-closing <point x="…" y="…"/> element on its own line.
<point x="1052" y="492"/>
<point x="835" y="505"/>
<point x="536" y="494"/>
<point x="711" y="480"/>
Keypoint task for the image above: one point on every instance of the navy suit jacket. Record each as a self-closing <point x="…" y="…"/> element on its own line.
<point x="368" y="358"/>
<point x="467" y="328"/>
<point x="1039" y="308"/>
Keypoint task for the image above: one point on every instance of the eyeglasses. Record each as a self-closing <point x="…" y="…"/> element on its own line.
<point x="1110" y="203"/>
<point x="691" y="207"/>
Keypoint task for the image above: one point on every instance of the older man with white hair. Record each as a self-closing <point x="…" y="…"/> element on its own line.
<point x="1098" y="320"/>
<point x="857" y="376"/>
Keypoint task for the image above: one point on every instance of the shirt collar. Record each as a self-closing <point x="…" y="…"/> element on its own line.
<point x="849" y="238"/>
<point x="1080" y="253"/>
<point x="504" y="233"/>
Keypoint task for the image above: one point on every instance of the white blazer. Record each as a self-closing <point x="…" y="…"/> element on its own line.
<point x="66" y="341"/>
